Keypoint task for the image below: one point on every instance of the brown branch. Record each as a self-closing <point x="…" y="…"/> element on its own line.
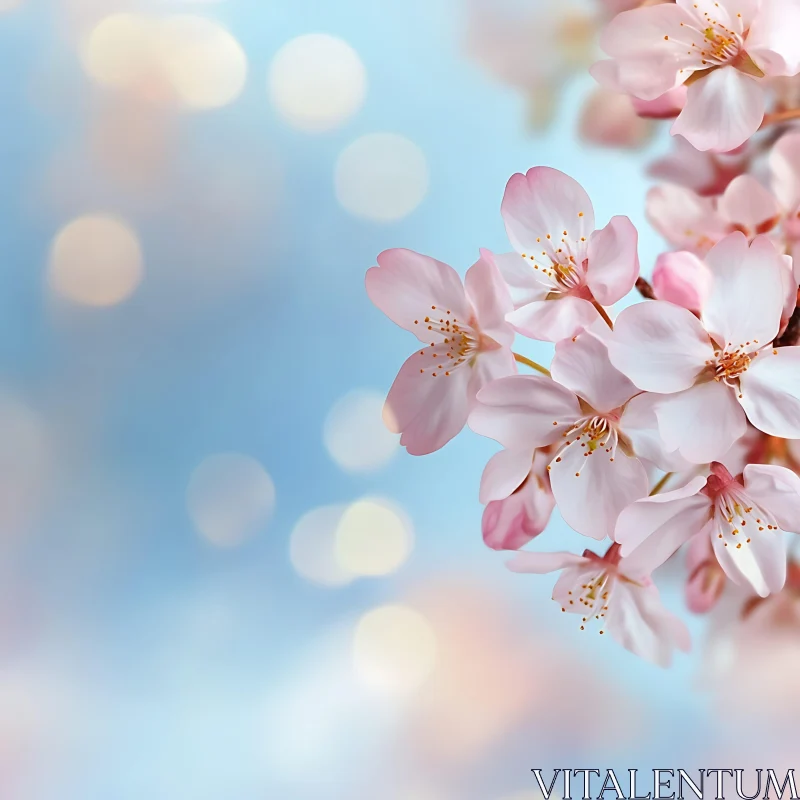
<point x="791" y="336"/>
<point x="645" y="289"/>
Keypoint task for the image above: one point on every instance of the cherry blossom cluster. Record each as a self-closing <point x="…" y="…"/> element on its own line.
<point x="675" y="420"/>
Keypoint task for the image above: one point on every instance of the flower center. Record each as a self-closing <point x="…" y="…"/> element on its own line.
<point x="730" y="364"/>
<point x="722" y="45"/>
<point x="458" y="343"/>
<point x="561" y="262"/>
<point x="592" y="600"/>
<point x="737" y="518"/>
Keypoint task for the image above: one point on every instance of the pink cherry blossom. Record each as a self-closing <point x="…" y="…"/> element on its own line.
<point x="705" y="580"/>
<point x="562" y="266"/>
<point x="615" y="594"/>
<point x="744" y="521"/>
<point x="717" y="372"/>
<point x="583" y="414"/>
<point x="510" y="522"/>
<point x="722" y="49"/>
<point x="467" y="341"/>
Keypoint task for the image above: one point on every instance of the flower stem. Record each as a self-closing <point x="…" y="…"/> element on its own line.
<point x="532" y="364"/>
<point x="662" y="483"/>
<point x="602" y="312"/>
<point x="780" y="116"/>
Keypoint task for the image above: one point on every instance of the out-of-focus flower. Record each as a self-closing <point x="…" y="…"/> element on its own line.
<point x="702" y="172"/>
<point x="469" y="341"/>
<point x="533" y="49"/>
<point x="683" y="279"/>
<point x="722" y="49"/>
<point x="743" y="520"/>
<point x="717" y="373"/>
<point x="784" y="162"/>
<point x="696" y="223"/>
<point x="562" y="267"/>
<point x="511" y="522"/>
<point x="594" y="472"/>
<point x="616" y="592"/>
<point x="669" y="105"/>
<point x="706" y="580"/>
<point x="608" y="118"/>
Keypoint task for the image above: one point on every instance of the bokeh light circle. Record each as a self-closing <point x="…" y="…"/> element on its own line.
<point x="230" y="498"/>
<point x="381" y="177"/>
<point x="394" y="649"/>
<point x="312" y="547"/>
<point x="204" y="63"/>
<point x="121" y="49"/>
<point x="355" y="434"/>
<point x="373" y="538"/>
<point x="317" y="81"/>
<point x="96" y="260"/>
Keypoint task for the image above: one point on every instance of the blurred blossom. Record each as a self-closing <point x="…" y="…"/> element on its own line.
<point x="312" y="547"/>
<point x="609" y="119"/>
<point x="534" y="47"/>
<point x="765" y="642"/>
<point x="499" y="669"/>
<point x="317" y="82"/>
<point x="355" y="434"/>
<point x="230" y="498"/>
<point x="186" y="59"/>
<point x="381" y="176"/>
<point x="373" y="538"/>
<point x="394" y="649"/>
<point x="96" y="260"/>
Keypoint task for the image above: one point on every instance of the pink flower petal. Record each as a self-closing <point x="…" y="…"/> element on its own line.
<point x="659" y="346"/>
<point x="405" y="285"/>
<point x="519" y="411"/>
<point x="511" y="523"/>
<point x="504" y="474"/>
<point x="490" y="299"/>
<point x="744" y="305"/>
<point x="702" y="422"/>
<point x="428" y="411"/>
<point x="771" y="392"/>
<point x="749" y="205"/>
<point x="582" y="365"/>
<point x="543" y="204"/>
<point x="639" y="622"/>
<point x="723" y="110"/>
<point x="542" y="563"/>
<point x="683" y="279"/>
<point x="653" y="528"/>
<point x="640" y="424"/>
<point x="784" y="164"/>
<point x="706" y="579"/>
<point x="613" y="261"/>
<point x="525" y="283"/>
<point x="761" y="564"/>
<point x="777" y="490"/>
<point x="649" y="47"/>
<point x="591" y="491"/>
<point x="685" y="219"/>
<point x="772" y="41"/>
<point x="553" y="320"/>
